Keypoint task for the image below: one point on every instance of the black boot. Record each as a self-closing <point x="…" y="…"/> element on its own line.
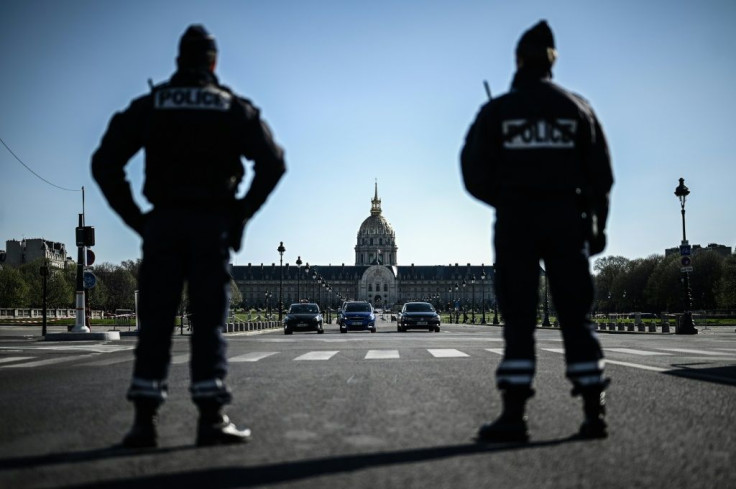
<point x="511" y="424"/>
<point x="143" y="433"/>
<point x="594" y="408"/>
<point x="215" y="428"/>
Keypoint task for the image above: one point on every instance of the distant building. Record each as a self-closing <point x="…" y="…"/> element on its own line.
<point x="722" y="250"/>
<point x="27" y="250"/>
<point x="376" y="276"/>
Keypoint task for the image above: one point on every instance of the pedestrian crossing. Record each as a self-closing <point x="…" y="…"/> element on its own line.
<point x="95" y="356"/>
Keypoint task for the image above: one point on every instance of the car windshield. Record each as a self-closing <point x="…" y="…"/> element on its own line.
<point x="304" y="309"/>
<point x="419" y="307"/>
<point x="358" y="308"/>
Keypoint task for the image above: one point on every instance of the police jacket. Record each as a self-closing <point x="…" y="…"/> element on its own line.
<point x="194" y="132"/>
<point x="537" y="142"/>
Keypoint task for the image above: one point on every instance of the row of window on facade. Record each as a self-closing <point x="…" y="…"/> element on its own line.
<point x="369" y="241"/>
<point x="378" y="287"/>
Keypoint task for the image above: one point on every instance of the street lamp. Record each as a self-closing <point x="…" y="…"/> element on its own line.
<point x="686" y="325"/>
<point x="483" y="294"/>
<point x="545" y="321"/>
<point x="306" y="270"/>
<point x="457" y="309"/>
<point x="472" y="309"/>
<point x="298" y="274"/>
<point x="463" y="299"/>
<point x="268" y="304"/>
<point x="281" y="250"/>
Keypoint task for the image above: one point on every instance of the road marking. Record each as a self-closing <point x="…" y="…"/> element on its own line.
<point x="179" y="359"/>
<point x="13" y="359"/>
<point x="49" y="361"/>
<point x="89" y="348"/>
<point x="107" y="361"/>
<point x="252" y="356"/>
<point x="697" y="352"/>
<point x="317" y="355"/>
<point x="636" y="352"/>
<point x="447" y="353"/>
<point x="554" y="350"/>
<point x="637" y="365"/>
<point x="381" y="354"/>
<point x="498" y="351"/>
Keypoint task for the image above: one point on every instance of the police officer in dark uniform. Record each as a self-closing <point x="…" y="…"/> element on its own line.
<point x="194" y="132"/>
<point x="538" y="155"/>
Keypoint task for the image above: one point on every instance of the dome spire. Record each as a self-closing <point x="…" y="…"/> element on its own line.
<point x="376" y="203"/>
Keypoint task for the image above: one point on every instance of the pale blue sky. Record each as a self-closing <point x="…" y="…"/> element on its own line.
<point x="356" y="91"/>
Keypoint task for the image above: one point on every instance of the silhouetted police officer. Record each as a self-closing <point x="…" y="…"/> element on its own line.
<point x="194" y="132"/>
<point x="538" y="155"/>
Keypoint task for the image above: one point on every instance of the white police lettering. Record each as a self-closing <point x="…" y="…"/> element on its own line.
<point x="538" y="135"/>
<point x="206" y="98"/>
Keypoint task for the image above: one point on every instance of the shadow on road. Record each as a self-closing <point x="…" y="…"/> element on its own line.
<point x="83" y="456"/>
<point x="719" y="375"/>
<point x="232" y="477"/>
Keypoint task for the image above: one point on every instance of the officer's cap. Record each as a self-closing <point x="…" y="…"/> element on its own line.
<point x="537" y="44"/>
<point x="197" y="47"/>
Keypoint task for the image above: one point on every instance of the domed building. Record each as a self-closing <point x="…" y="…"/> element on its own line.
<point x="376" y="277"/>
<point x="376" y="238"/>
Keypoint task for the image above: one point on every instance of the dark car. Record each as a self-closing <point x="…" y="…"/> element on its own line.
<point x="357" y="316"/>
<point x="418" y="315"/>
<point x="303" y="317"/>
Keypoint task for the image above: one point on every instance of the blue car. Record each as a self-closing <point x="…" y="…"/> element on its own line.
<point x="357" y="316"/>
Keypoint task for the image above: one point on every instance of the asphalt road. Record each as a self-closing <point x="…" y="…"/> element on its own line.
<point x="361" y="410"/>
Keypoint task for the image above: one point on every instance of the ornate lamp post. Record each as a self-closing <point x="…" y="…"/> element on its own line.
<point x="686" y="325"/>
<point x="483" y="294"/>
<point x="463" y="299"/>
<point x="457" y="309"/>
<point x="472" y="309"/>
<point x="545" y="320"/>
<point x="298" y="274"/>
<point x="306" y="270"/>
<point x="281" y="250"/>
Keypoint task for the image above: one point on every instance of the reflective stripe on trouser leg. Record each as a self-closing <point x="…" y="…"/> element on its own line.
<point x="141" y="389"/>
<point x="212" y="390"/>
<point x="586" y="374"/>
<point x="515" y="373"/>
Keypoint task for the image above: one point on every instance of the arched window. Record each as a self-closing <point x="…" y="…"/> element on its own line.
<point x="370" y="288"/>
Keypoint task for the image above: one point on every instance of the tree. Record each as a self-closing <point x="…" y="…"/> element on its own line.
<point x="59" y="291"/>
<point x="120" y="285"/>
<point x="13" y="288"/>
<point x="608" y="268"/>
<point x="726" y="286"/>
<point x="704" y="279"/>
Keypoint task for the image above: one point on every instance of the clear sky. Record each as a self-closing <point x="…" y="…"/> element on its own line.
<point x="386" y="90"/>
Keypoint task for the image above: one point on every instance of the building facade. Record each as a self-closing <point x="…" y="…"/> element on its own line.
<point x="375" y="277"/>
<point x="27" y="250"/>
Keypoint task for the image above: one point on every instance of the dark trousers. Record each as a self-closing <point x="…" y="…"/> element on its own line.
<point x="183" y="246"/>
<point x="552" y="232"/>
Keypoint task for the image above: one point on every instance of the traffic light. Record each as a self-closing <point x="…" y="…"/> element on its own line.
<point x="86" y="236"/>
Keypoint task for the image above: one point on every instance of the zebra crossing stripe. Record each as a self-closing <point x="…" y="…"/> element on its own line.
<point x="497" y="351"/>
<point x="447" y="353"/>
<point x="688" y="350"/>
<point x="39" y="363"/>
<point x="13" y="359"/>
<point x="381" y="354"/>
<point x="636" y="352"/>
<point x="317" y="355"/>
<point x="179" y="359"/>
<point x="253" y="356"/>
